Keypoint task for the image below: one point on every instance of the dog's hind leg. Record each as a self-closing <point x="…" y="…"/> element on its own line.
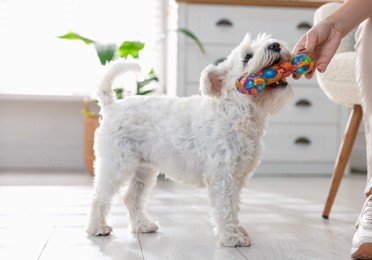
<point x="110" y="177"/>
<point x="139" y="187"/>
<point x="224" y="192"/>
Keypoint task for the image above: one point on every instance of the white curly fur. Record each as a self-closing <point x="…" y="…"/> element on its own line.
<point x="212" y="140"/>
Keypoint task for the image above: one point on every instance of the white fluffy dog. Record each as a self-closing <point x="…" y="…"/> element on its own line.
<point x="212" y="140"/>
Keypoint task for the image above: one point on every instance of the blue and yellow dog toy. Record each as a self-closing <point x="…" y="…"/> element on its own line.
<point x="254" y="83"/>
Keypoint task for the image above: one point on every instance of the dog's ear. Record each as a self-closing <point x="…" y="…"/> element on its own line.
<point x="212" y="80"/>
<point x="247" y="37"/>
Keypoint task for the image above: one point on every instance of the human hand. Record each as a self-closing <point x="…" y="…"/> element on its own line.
<point x="321" y="43"/>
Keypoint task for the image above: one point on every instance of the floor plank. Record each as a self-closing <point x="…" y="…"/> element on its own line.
<point x="72" y="243"/>
<point x="43" y="220"/>
<point x="23" y="242"/>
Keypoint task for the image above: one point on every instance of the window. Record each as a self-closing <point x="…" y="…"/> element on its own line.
<point x="34" y="61"/>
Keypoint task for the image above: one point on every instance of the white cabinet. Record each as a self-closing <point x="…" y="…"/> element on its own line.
<point x="224" y="24"/>
<point x="302" y="139"/>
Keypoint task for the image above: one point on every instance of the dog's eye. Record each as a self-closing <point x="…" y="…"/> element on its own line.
<point x="247" y="58"/>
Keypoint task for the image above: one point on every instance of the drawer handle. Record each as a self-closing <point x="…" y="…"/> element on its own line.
<point x="303" y="103"/>
<point x="219" y="60"/>
<point x="224" y="23"/>
<point x="304" y="26"/>
<point x="303" y="141"/>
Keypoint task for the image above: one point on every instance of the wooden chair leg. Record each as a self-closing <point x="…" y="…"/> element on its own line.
<point x="343" y="157"/>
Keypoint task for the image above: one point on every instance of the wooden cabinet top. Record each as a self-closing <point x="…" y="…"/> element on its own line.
<point x="288" y="3"/>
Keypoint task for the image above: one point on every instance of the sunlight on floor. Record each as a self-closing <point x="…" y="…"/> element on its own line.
<point x="43" y="217"/>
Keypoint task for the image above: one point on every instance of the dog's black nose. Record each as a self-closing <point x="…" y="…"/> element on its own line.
<point x="275" y="46"/>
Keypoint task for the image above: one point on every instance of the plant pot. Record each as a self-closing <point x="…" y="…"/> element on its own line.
<point x="90" y="125"/>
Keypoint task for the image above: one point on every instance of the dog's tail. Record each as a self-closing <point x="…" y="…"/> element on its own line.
<point x="105" y="93"/>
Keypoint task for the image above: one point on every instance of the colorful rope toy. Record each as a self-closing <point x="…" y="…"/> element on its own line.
<point x="255" y="82"/>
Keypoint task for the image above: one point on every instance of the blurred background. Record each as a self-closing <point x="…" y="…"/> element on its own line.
<point x="45" y="80"/>
<point x="50" y="69"/>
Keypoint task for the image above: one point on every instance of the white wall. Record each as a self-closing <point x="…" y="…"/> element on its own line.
<point x="41" y="133"/>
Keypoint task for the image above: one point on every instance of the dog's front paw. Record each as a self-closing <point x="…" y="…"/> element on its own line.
<point x="236" y="240"/>
<point x="243" y="230"/>
<point x="99" y="230"/>
<point x="146" y="227"/>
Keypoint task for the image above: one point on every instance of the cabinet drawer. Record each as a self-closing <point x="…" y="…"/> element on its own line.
<point x="300" y="143"/>
<point x="229" y="24"/>
<point x="310" y="105"/>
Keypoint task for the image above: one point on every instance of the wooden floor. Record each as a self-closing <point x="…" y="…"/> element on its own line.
<point x="42" y="216"/>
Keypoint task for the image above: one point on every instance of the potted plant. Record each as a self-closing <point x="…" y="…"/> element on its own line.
<point x="107" y="53"/>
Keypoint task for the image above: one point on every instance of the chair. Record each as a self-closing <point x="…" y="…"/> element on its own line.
<point x="339" y="84"/>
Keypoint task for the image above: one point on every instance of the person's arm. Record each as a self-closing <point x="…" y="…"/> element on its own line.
<point x="350" y="15"/>
<point x="322" y="41"/>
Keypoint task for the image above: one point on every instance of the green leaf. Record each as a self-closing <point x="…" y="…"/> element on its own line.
<point x="141" y="84"/>
<point x="151" y="72"/>
<point x="105" y="52"/>
<point x="130" y="48"/>
<point x="143" y="93"/>
<point x="86" y="112"/>
<point x="148" y="80"/>
<point x="192" y="36"/>
<point x="119" y="93"/>
<point x="75" y="36"/>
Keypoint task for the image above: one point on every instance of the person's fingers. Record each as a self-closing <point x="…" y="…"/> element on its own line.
<point x="301" y="50"/>
<point x="327" y="52"/>
<point x="310" y="74"/>
<point x="296" y="76"/>
<point x="322" y="67"/>
<point x="322" y="63"/>
<point x="307" y="43"/>
<point x="300" y="45"/>
<point x="311" y="41"/>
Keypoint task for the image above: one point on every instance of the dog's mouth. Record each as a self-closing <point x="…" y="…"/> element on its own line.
<point x="282" y="83"/>
<point x="276" y="61"/>
<point x="278" y="84"/>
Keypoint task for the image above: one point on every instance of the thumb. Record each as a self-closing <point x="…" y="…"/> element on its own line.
<point x="322" y="63"/>
<point x="311" y="41"/>
<point x="300" y="46"/>
<point x="322" y="67"/>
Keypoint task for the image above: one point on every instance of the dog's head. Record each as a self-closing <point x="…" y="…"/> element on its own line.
<point x="251" y="56"/>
